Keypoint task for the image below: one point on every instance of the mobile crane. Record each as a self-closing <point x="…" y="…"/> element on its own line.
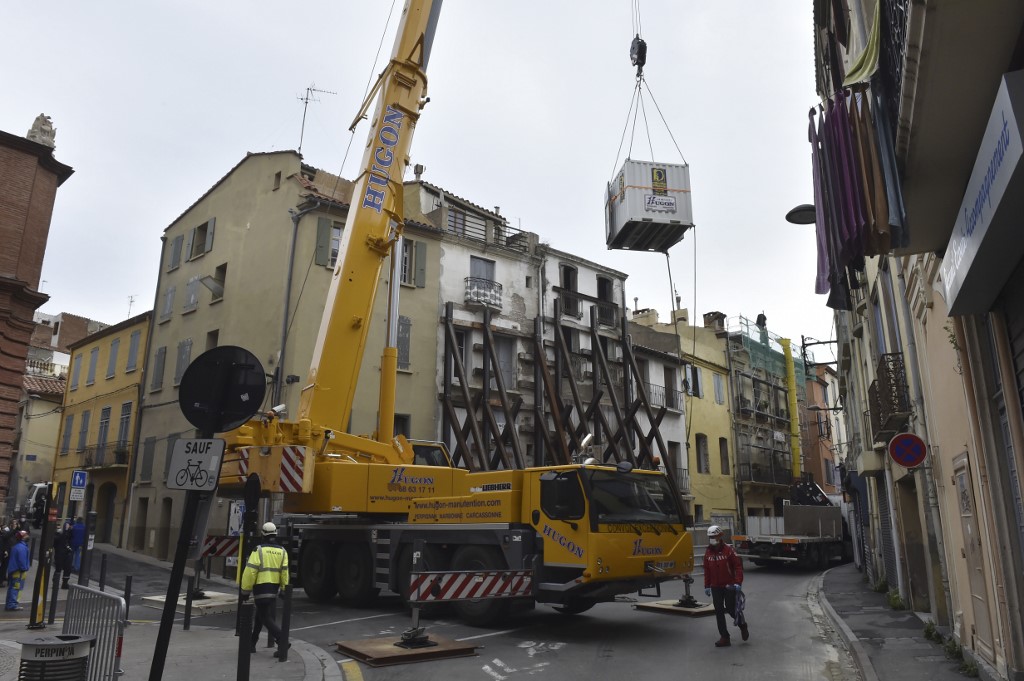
<point x="355" y="505"/>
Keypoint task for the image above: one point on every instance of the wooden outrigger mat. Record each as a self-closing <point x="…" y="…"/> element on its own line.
<point x="381" y="652"/>
<point x="673" y="607"/>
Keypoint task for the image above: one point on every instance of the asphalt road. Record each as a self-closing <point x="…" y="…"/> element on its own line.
<point x="790" y="639"/>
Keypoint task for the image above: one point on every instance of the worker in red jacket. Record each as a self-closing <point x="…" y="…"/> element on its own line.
<point x="723" y="579"/>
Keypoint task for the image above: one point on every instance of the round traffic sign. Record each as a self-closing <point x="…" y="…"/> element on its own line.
<point x="907" y="450"/>
<point x="222" y="389"/>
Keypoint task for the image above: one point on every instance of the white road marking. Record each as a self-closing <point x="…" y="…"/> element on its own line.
<point x="328" y="624"/>
<point x="493" y="633"/>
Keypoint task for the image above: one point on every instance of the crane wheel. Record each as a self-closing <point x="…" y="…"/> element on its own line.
<point x="353" y="574"/>
<point x="317" y="571"/>
<point x="480" y="613"/>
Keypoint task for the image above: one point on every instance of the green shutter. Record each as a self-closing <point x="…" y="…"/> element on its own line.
<point x="209" y="235"/>
<point x="323" y="241"/>
<point x="421" y="264"/>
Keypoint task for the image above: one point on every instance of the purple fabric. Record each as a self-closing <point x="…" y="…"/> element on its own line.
<point x="821" y="283"/>
<point x="852" y="187"/>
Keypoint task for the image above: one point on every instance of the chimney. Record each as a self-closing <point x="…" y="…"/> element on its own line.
<point x="714" y="320"/>
<point x="418" y="171"/>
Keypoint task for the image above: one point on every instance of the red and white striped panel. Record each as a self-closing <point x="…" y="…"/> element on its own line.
<point x="220" y="546"/>
<point x="427" y="587"/>
<point x="292" y="460"/>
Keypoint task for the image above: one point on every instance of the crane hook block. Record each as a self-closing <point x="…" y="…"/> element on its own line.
<point x="638" y="53"/>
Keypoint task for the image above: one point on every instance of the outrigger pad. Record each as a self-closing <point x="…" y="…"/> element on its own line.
<point x="381" y="652"/>
<point x="674" y="608"/>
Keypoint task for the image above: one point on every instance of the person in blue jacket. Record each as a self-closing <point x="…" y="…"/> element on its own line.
<point x="16" y="569"/>
<point x="77" y="542"/>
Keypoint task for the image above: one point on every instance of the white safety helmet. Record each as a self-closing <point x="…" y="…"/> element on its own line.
<point x="715" y="531"/>
<point x="269" y="530"/>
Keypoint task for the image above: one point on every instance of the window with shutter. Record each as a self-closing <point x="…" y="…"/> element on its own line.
<point x="184" y="357"/>
<point x="94" y="356"/>
<point x="192" y="294"/>
<point x="404" y="343"/>
<point x="719" y="388"/>
<point x="123" y="432"/>
<point x="175" y="254"/>
<point x="159" y="360"/>
<point x="148" y="451"/>
<point x="168" y="308"/>
<point x="65" y="443"/>
<point x="102" y="434"/>
<point x="703" y="458"/>
<point x="133" y="351"/>
<point x="171" y="439"/>
<point x="505" y="348"/>
<point x="76" y="371"/>
<point x="421" y="264"/>
<point x="115" y="345"/>
<point x="83" y="431"/>
<point x="323" y="242"/>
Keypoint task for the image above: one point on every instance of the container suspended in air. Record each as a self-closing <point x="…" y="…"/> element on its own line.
<point x="647" y="206"/>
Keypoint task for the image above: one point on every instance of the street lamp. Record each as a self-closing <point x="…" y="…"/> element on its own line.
<point x="804" y="214"/>
<point x="815" y="407"/>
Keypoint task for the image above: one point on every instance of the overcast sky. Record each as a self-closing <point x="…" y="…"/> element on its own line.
<point x="154" y="102"/>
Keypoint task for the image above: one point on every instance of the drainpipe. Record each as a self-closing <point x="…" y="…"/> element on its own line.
<point x="280" y="375"/>
<point x="126" y="516"/>
<point x="934" y="524"/>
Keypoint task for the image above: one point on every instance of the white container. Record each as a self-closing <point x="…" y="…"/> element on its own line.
<point x="647" y="206"/>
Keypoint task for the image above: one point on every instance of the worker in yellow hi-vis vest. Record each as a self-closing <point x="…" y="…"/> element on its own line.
<point x="265" y="577"/>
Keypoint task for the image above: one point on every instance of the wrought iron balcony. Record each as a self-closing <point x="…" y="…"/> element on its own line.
<point x="106" y="455"/>
<point x="888" y="398"/>
<point x="661" y="396"/>
<point x="483" y="292"/>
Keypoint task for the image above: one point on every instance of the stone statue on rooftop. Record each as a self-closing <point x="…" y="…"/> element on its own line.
<point x="42" y="131"/>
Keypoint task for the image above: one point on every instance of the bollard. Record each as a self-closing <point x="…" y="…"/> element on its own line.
<point x="188" y="601"/>
<point x="127" y="597"/>
<point x="103" y="573"/>
<point x="283" y="644"/>
<point x="53" y="599"/>
<point x="245" y="611"/>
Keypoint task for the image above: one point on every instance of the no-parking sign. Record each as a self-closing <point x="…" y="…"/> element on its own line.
<point x="907" y="450"/>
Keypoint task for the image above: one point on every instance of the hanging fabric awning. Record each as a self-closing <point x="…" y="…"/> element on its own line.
<point x="867" y="63"/>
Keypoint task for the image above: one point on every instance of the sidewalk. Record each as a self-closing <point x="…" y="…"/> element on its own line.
<point x="887" y="644"/>
<point x="200" y="653"/>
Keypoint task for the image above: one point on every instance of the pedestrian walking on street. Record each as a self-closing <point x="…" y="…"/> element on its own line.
<point x="265" y="577"/>
<point x="77" y="542"/>
<point x="62" y="554"/>
<point x="19" y="564"/>
<point x="5" y="552"/>
<point x="723" y="580"/>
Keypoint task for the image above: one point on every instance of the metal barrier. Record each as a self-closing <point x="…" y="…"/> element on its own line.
<point x="91" y="612"/>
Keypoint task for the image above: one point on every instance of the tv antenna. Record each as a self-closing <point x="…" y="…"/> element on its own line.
<point x="306" y="99"/>
<point x="131" y="300"/>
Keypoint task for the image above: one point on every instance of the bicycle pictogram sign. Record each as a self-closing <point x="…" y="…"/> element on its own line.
<point x="195" y="464"/>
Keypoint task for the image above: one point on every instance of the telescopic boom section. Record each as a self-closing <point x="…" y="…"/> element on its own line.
<point x="374" y="223"/>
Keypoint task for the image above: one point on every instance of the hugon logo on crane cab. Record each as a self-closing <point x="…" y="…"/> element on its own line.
<point x="383" y="157"/>
<point x="398" y="477"/>
<point x="641" y="550"/>
<point x="569" y="545"/>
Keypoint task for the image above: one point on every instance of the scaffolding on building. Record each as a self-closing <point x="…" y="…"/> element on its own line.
<point x="761" y="409"/>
